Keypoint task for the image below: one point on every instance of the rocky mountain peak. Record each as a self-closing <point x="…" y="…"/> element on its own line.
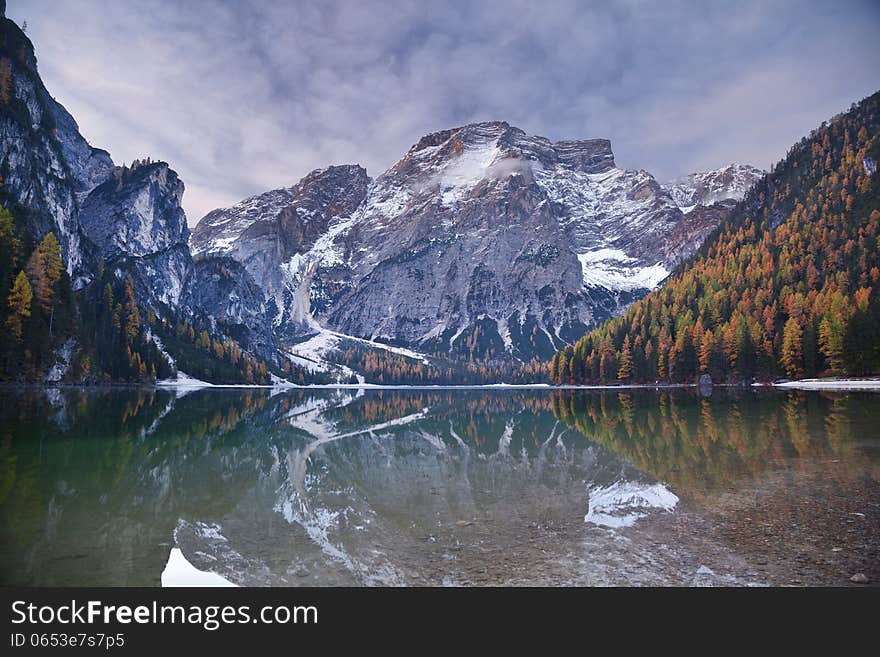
<point x="321" y="195"/>
<point x="497" y="142"/>
<point x="321" y="188"/>
<point x="707" y="187"/>
<point x="136" y="211"/>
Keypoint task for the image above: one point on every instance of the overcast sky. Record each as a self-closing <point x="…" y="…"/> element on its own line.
<point x="241" y="97"/>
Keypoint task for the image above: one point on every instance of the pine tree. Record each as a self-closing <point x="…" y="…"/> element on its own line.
<point x="45" y="270"/>
<point x="10" y="248"/>
<point x="831" y="341"/>
<point x="859" y="343"/>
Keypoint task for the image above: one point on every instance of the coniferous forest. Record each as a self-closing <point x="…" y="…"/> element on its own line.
<point x="788" y="286"/>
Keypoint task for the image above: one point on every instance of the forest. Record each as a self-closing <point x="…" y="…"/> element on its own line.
<point x="788" y="286"/>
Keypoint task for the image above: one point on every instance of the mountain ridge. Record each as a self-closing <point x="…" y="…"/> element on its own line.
<point x="425" y="197"/>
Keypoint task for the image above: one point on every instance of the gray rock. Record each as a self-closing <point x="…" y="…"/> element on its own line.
<point x="38" y="183"/>
<point x="89" y="166"/>
<point x="859" y="578"/>
<point x="708" y="187"/>
<point x="221" y="288"/>
<point x="137" y="226"/>
<point x="136" y="212"/>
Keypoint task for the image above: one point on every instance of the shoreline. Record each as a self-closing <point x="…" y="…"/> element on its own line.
<point x="853" y="385"/>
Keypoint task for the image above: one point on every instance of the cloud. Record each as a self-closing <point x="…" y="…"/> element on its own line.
<point x="243" y="97"/>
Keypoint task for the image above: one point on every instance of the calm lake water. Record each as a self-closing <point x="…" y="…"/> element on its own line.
<point x="440" y="487"/>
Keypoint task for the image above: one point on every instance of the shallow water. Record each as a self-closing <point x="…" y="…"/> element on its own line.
<point x="446" y="487"/>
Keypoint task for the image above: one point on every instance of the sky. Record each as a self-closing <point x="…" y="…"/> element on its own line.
<point x="242" y="97"/>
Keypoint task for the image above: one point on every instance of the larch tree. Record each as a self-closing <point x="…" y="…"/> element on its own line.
<point x="625" y="371"/>
<point x="792" y="351"/>
<point x="18" y="305"/>
<point x="44" y="270"/>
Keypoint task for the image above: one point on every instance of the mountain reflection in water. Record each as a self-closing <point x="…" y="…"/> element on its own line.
<point x="353" y="487"/>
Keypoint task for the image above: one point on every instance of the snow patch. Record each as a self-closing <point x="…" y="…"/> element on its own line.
<point x="180" y="572"/>
<point x="624" y="502"/>
<point x="183" y="380"/>
<point x="830" y="384"/>
<point x="613" y="270"/>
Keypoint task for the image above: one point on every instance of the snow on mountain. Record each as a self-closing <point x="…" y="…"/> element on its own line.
<point x="707" y="187"/>
<point x="228" y="224"/>
<point x="612" y="269"/>
<point x="481" y="240"/>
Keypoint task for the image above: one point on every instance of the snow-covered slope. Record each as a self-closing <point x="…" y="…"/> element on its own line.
<point x="707" y="187"/>
<point x="225" y="226"/>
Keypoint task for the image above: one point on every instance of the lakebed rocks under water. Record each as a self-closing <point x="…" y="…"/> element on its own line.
<point x="440" y="487"/>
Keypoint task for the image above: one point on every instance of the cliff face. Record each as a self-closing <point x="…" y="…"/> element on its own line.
<point x="136" y="224"/>
<point x="272" y="233"/>
<point x="38" y="181"/>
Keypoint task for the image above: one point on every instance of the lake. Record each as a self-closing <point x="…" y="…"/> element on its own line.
<point x="439" y="487"/>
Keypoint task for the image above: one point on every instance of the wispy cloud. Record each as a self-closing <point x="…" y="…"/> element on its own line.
<point x="242" y="97"/>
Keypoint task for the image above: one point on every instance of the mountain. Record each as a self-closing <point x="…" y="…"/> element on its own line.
<point x="480" y="242"/>
<point x="708" y="187"/>
<point x="39" y="181"/>
<point x="90" y="249"/>
<point x="788" y="286"/>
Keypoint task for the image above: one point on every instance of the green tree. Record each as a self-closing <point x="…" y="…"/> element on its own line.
<point x="859" y="343"/>
<point x="831" y="341"/>
<point x="10" y="248"/>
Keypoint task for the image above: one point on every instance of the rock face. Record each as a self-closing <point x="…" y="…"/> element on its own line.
<point x="695" y="226"/>
<point x="38" y="181"/>
<point x="138" y="228"/>
<point x="89" y="166"/>
<point x="482" y="240"/>
<point x="222" y="289"/>
<point x="136" y="224"/>
<point x="708" y="187"/>
<point x="271" y="234"/>
<point x="136" y="212"/>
